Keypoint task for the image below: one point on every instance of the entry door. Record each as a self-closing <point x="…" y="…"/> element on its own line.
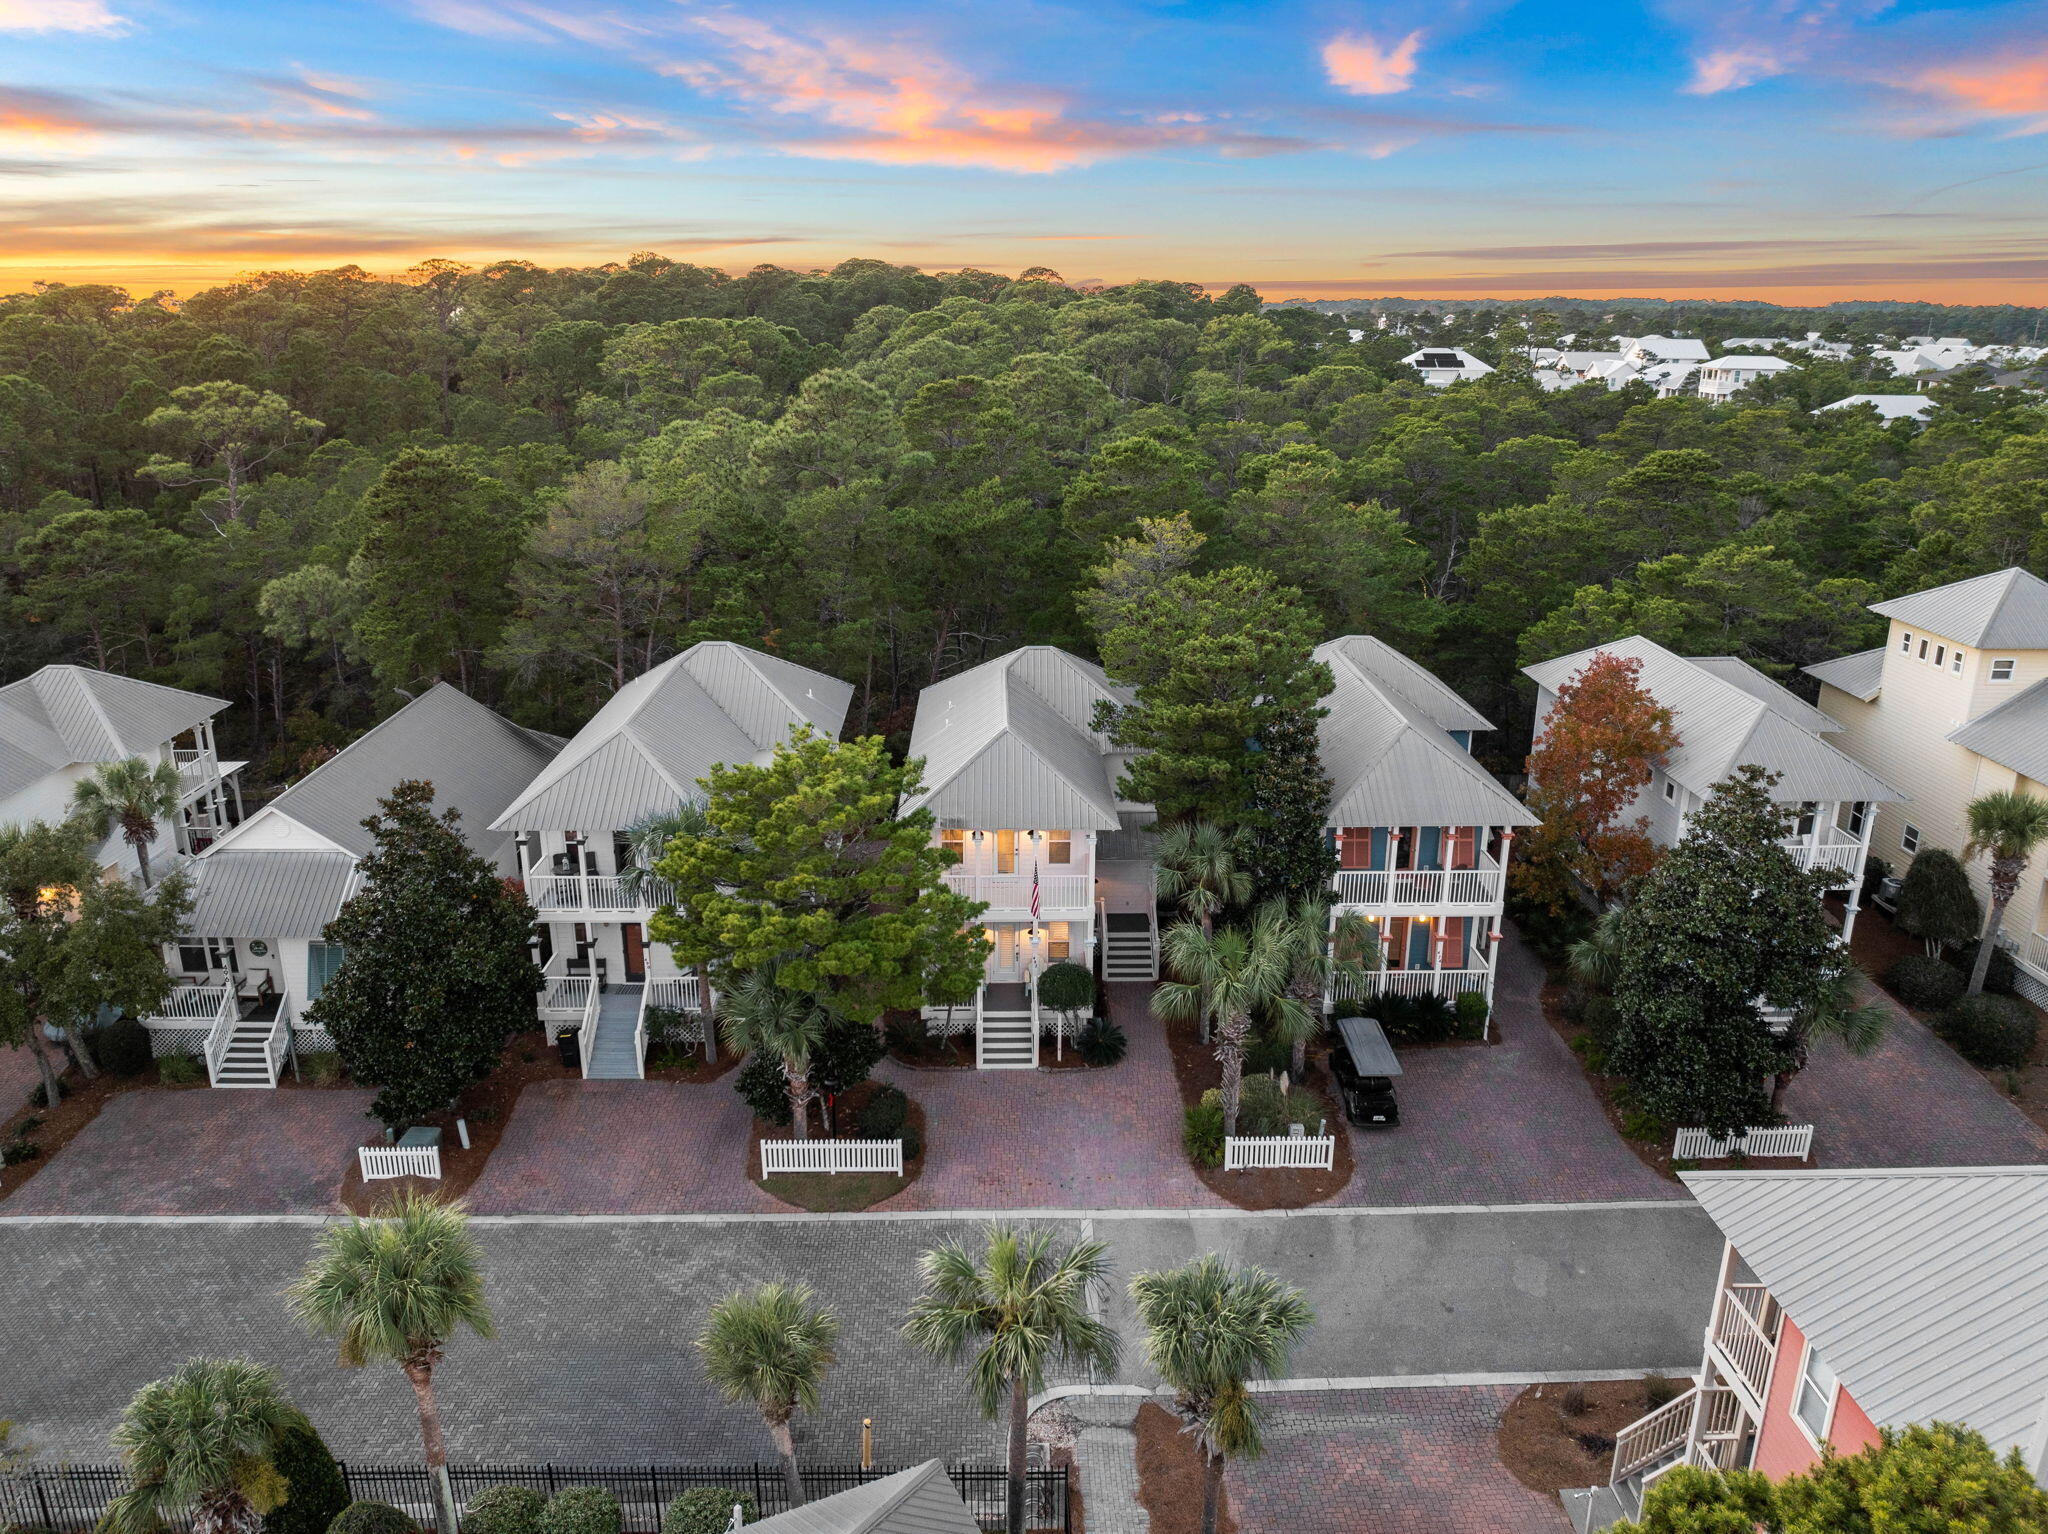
<point x="1005" y="963"/>
<point x="636" y="953"/>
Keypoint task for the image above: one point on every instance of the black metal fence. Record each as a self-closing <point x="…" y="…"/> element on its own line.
<point x="71" y="1499"/>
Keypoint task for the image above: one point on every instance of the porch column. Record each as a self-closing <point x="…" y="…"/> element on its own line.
<point x="1493" y="938"/>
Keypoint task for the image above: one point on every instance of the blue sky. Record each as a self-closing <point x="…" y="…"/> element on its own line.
<point x="1787" y="150"/>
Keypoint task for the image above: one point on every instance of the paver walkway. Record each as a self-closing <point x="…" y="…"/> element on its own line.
<point x="1406" y="1461"/>
<point x="204" y="1150"/>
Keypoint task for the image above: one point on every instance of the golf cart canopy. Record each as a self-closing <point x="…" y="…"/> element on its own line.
<point x="1371" y="1054"/>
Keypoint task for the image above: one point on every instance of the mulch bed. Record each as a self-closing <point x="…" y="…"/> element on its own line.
<point x="1550" y="1450"/>
<point x="1195" y="1071"/>
<point x="840" y="1192"/>
<point x="1170" y="1475"/>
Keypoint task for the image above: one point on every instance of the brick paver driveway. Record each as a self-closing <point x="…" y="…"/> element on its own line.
<point x="1406" y="1461"/>
<point x="204" y="1150"/>
<point x="1511" y="1123"/>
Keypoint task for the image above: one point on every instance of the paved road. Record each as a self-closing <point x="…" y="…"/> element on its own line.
<point x="592" y="1361"/>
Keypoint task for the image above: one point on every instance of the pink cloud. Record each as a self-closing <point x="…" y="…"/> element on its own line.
<point x="1728" y="69"/>
<point x="2002" y="87"/>
<point x="59" y="16"/>
<point x="1365" y="67"/>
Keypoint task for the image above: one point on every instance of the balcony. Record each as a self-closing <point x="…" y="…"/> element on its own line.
<point x="1447" y="983"/>
<point x="1060" y="896"/>
<point x="599" y="897"/>
<point x="1420" y="889"/>
<point x="1742" y="1336"/>
<point x="1830" y="847"/>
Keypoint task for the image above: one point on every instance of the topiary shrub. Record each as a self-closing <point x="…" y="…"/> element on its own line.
<point x="885" y="1113"/>
<point x="580" y="1510"/>
<point x="1201" y="1133"/>
<point x="1102" y="1042"/>
<point x="765" y="1089"/>
<point x="315" y="1494"/>
<point x="1995" y="1032"/>
<point x="1066" y="987"/>
<point x="122" y="1048"/>
<point x="706" y="1510"/>
<point x="372" y="1518"/>
<point x="504" y="1510"/>
<point x="1929" y="984"/>
<point x="2000" y="979"/>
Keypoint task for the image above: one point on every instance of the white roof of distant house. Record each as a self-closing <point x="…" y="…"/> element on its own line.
<point x="1893" y="407"/>
<point x="1757" y="343"/>
<point x="2006" y="610"/>
<point x="920" y="1500"/>
<point x="1012" y="744"/>
<point x="1671" y="348"/>
<point x="1385" y="745"/>
<point x="65" y="714"/>
<point x="1754" y="364"/>
<point x="1728" y="714"/>
<point x="1439" y="359"/>
<point x="1922" y="1288"/>
<point x="1860" y="675"/>
<point x="715" y="704"/>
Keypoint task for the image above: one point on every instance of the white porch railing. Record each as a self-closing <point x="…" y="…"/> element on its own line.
<point x="221" y="1033"/>
<point x="1249" y="1152"/>
<point x="1447" y="983"/>
<point x="191" y="1004"/>
<point x="586" y="1029"/>
<point x="277" y="1044"/>
<point x="678" y="993"/>
<point x="1832" y="847"/>
<point x="2029" y="948"/>
<point x="380" y="1161"/>
<point x="1419" y="888"/>
<point x="1738" y="1335"/>
<point x="832" y="1156"/>
<point x="1793" y="1140"/>
<point x="1068" y="892"/>
<point x="566" y="995"/>
<point x="195" y="766"/>
<point x="596" y="893"/>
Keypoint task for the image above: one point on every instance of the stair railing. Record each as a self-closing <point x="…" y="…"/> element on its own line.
<point x="222" y="1031"/>
<point x="279" y="1039"/>
<point x="586" y="1031"/>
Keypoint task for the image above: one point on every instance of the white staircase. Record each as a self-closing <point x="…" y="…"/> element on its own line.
<point x="1130" y="947"/>
<point x="615" y="1055"/>
<point x="1006" y="1032"/>
<point x="247" y="1059"/>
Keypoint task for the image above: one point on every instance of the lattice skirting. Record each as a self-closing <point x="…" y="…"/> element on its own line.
<point x="313" y="1041"/>
<point x="177" y="1041"/>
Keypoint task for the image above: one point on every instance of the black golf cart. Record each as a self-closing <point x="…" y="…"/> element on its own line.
<point x="1364" y="1066"/>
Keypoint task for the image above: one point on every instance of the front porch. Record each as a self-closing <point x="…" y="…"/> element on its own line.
<point x="244" y="1035"/>
<point x="612" y="1022"/>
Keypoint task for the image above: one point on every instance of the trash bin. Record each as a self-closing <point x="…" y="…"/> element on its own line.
<point x="570" y="1043"/>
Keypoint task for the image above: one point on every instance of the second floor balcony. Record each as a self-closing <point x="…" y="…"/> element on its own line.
<point x="583" y="897"/>
<point x="1479" y="888"/>
<point x="1066" y="894"/>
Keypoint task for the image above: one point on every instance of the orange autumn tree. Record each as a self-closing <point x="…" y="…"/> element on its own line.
<point x="1605" y="734"/>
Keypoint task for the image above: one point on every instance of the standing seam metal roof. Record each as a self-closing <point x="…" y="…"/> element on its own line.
<point x="2014" y="734"/>
<point x="66" y="714"/>
<point x="2005" y="610"/>
<point x="262" y="893"/>
<point x="1860" y="675"/>
<point x="920" y="1500"/>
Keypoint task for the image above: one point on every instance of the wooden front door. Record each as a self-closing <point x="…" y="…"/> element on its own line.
<point x="636" y="953"/>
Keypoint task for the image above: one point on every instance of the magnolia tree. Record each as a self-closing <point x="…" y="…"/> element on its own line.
<point x="1603" y="738"/>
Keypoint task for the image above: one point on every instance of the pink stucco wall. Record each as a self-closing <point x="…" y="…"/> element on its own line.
<point x="1782" y="1447"/>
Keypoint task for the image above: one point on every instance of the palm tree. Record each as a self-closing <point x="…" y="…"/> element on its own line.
<point x="1231" y="978"/>
<point x="133" y="794"/>
<point x="1596" y="957"/>
<point x="398" y="1287"/>
<point x="1321" y="953"/>
<point x="203" y="1440"/>
<point x="758" y="1015"/>
<point x="1202" y="870"/>
<point x="772" y="1345"/>
<point x="1020" y="1307"/>
<point x="1209" y="1331"/>
<point x="1833" y="1013"/>
<point x="2008" y="826"/>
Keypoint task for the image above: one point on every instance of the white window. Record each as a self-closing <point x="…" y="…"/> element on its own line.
<point x="1815" y="1404"/>
<point x="1909" y="839"/>
<point x="204" y="955"/>
<point x="1905" y="644"/>
<point x="1671" y="791"/>
<point x="1956" y="663"/>
<point x="2001" y="670"/>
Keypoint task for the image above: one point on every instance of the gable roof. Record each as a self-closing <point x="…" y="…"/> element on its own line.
<point x="2007" y="609"/>
<point x="1384" y="744"/>
<point x="2014" y="734"/>
<point x="716" y="703"/>
<point x="66" y="714"/>
<point x="1922" y="1288"/>
<point x="1891" y="407"/>
<point x="477" y="760"/>
<point x="1860" y="675"/>
<point x="1728" y="715"/>
<point x="920" y="1500"/>
<point x="1011" y="743"/>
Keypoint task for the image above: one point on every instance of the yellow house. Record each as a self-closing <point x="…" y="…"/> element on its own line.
<point x="1951" y="706"/>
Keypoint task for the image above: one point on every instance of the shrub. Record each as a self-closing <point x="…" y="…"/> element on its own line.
<point x="18" y="1150"/>
<point x="322" y="1067"/>
<point x="1936" y="903"/>
<point x="1066" y="987"/>
<point x="315" y="1493"/>
<point x="1102" y="1042"/>
<point x="1995" y="1032"/>
<point x="39" y="1099"/>
<point x="504" y="1510"/>
<point x="1261" y="1110"/>
<point x="1572" y="1401"/>
<point x="707" y="1510"/>
<point x="122" y="1048"/>
<point x="1601" y="1019"/>
<point x="884" y="1116"/>
<point x="671" y="1025"/>
<point x="372" y="1518"/>
<point x="180" y="1070"/>
<point x="1350" y="1006"/>
<point x="1638" y="1125"/>
<point x="1929" y="984"/>
<point x="2001" y="979"/>
<point x="1201" y="1133"/>
<point x="1659" y="1390"/>
<point x="580" y="1510"/>
<point x="1267" y="1053"/>
<point x="1416" y="1019"/>
<point x="1471" y="1011"/>
<point x="765" y="1089"/>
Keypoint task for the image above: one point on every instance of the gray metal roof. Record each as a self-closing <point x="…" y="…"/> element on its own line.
<point x="920" y="1500"/>
<point x="1923" y="1289"/>
<point x="1367" y="1042"/>
<point x="2014" y="734"/>
<point x="266" y="894"/>
<point x="716" y="703"/>
<point x="1011" y="743"/>
<point x="1860" y="675"/>
<point x="477" y="760"/>
<point x="1728" y="715"/>
<point x="2006" y="610"/>
<point x="1384" y="745"/>
<point x="66" y="714"/>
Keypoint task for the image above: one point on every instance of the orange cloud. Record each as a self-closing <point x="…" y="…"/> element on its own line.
<point x="1995" y="88"/>
<point x="58" y="16"/>
<point x="1366" y="67"/>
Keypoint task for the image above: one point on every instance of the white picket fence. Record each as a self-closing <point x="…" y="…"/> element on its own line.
<point x="1243" y="1153"/>
<point x="1793" y="1140"/>
<point x="833" y="1156"/>
<point x="379" y="1161"/>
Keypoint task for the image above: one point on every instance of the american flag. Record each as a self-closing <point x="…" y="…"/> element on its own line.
<point x="1034" y="892"/>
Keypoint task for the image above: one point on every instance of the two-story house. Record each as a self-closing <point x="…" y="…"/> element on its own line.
<point x="641" y="755"/>
<point x="1954" y="705"/>
<point x="1728" y="714"/>
<point x="1725" y="377"/>
<point x="1420" y="829"/>
<point x="59" y="724"/>
<point x="255" y="955"/>
<point x="1847" y="1302"/>
<point x="1024" y="791"/>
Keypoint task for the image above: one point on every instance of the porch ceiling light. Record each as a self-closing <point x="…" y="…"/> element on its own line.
<point x="978" y="835"/>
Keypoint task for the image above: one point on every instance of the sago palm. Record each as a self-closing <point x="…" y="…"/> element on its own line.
<point x="759" y="1016"/>
<point x="1202" y="871"/>
<point x="1228" y="979"/>
<point x="398" y="1287"/>
<point x="202" y="1442"/>
<point x="1018" y="1308"/>
<point x="771" y="1346"/>
<point x="1322" y="954"/>
<point x="132" y="794"/>
<point x="2006" y="827"/>
<point x="1210" y="1330"/>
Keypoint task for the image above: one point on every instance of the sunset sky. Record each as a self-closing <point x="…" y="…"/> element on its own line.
<point x="1792" y="151"/>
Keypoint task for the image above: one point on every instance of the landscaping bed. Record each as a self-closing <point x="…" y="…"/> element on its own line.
<point x="1195" y="1071"/>
<point x="1558" y="1437"/>
<point x="844" y="1192"/>
<point x="1170" y="1475"/>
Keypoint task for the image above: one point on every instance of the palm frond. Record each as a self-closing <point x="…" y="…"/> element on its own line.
<point x="396" y="1285"/>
